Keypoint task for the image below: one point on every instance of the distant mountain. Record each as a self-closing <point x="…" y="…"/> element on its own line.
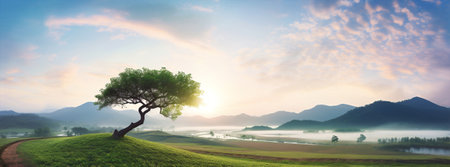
<point x="88" y="114"/>
<point x="8" y="112"/>
<point x="415" y="113"/>
<point x="317" y="113"/>
<point x="324" y="112"/>
<point x="30" y="121"/>
<point x="417" y="102"/>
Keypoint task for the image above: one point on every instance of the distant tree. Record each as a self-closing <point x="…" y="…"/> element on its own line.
<point x="3" y="136"/>
<point x="79" y="131"/>
<point x="334" y="139"/>
<point x="211" y="133"/>
<point x="69" y="133"/>
<point x="150" y="89"/>
<point x="42" y="132"/>
<point x="361" y="138"/>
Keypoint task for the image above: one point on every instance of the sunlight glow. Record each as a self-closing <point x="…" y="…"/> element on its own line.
<point x="210" y="101"/>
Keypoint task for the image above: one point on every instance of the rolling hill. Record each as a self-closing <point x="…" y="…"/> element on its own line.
<point x="102" y="150"/>
<point x="415" y="113"/>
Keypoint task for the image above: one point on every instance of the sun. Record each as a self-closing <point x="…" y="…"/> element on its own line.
<point x="210" y="101"/>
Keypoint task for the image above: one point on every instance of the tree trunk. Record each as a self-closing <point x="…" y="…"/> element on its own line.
<point x="121" y="133"/>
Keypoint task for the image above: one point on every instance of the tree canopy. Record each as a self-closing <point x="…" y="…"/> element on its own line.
<point x="151" y="89"/>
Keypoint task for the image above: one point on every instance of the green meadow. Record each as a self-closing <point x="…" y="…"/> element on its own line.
<point x="162" y="149"/>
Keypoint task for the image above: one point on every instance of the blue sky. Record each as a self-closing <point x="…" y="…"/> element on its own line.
<point x="251" y="57"/>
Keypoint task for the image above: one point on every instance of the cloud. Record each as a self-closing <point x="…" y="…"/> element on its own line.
<point x="339" y="44"/>
<point x="437" y="2"/>
<point x="12" y="71"/>
<point x="117" y="22"/>
<point x="29" y="53"/>
<point x="202" y="9"/>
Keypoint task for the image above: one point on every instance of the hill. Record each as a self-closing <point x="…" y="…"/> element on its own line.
<point x="129" y="151"/>
<point x="28" y="121"/>
<point x="8" y="112"/>
<point x="255" y="128"/>
<point x="415" y="113"/>
<point x="302" y="124"/>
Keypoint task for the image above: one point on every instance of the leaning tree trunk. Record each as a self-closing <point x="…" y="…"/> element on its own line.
<point x="121" y="133"/>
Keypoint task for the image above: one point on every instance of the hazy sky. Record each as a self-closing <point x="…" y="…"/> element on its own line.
<point x="252" y="57"/>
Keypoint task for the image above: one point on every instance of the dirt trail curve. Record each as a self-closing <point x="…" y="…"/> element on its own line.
<point x="10" y="157"/>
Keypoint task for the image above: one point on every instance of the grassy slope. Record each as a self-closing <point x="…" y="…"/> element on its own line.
<point x="159" y="136"/>
<point x="102" y="150"/>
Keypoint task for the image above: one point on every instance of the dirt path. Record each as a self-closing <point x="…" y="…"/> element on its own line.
<point x="258" y="157"/>
<point x="10" y="156"/>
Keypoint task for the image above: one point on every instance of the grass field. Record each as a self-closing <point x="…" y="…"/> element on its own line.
<point x="102" y="150"/>
<point x="159" y="136"/>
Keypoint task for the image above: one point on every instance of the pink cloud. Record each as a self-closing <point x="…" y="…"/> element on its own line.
<point x="202" y="9"/>
<point x="117" y="22"/>
<point x="12" y="71"/>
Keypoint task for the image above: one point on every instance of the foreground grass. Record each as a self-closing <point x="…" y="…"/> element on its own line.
<point x="102" y="150"/>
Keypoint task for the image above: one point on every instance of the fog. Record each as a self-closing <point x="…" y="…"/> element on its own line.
<point x="372" y="135"/>
<point x="432" y="151"/>
<point x="352" y="136"/>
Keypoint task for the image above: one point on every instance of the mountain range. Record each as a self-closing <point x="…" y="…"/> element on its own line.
<point x="88" y="114"/>
<point x="415" y="113"/>
<point x="412" y="113"/>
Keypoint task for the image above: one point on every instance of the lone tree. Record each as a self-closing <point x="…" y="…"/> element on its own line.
<point x="150" y="89"/>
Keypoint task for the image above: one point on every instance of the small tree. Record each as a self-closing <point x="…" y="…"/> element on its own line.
<point x="79" y="131"/>
<point x="211" y="133"/>
<point x="334" y="139"/>
<point x="150" y="89"/>
<point x="361" y="138"/>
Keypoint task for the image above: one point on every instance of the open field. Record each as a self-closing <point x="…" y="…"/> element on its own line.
<point x="102" y="150"/>
<point x="344" y="153"/>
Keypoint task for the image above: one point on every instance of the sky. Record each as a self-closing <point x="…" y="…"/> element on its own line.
<point x="253" y="57"/>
